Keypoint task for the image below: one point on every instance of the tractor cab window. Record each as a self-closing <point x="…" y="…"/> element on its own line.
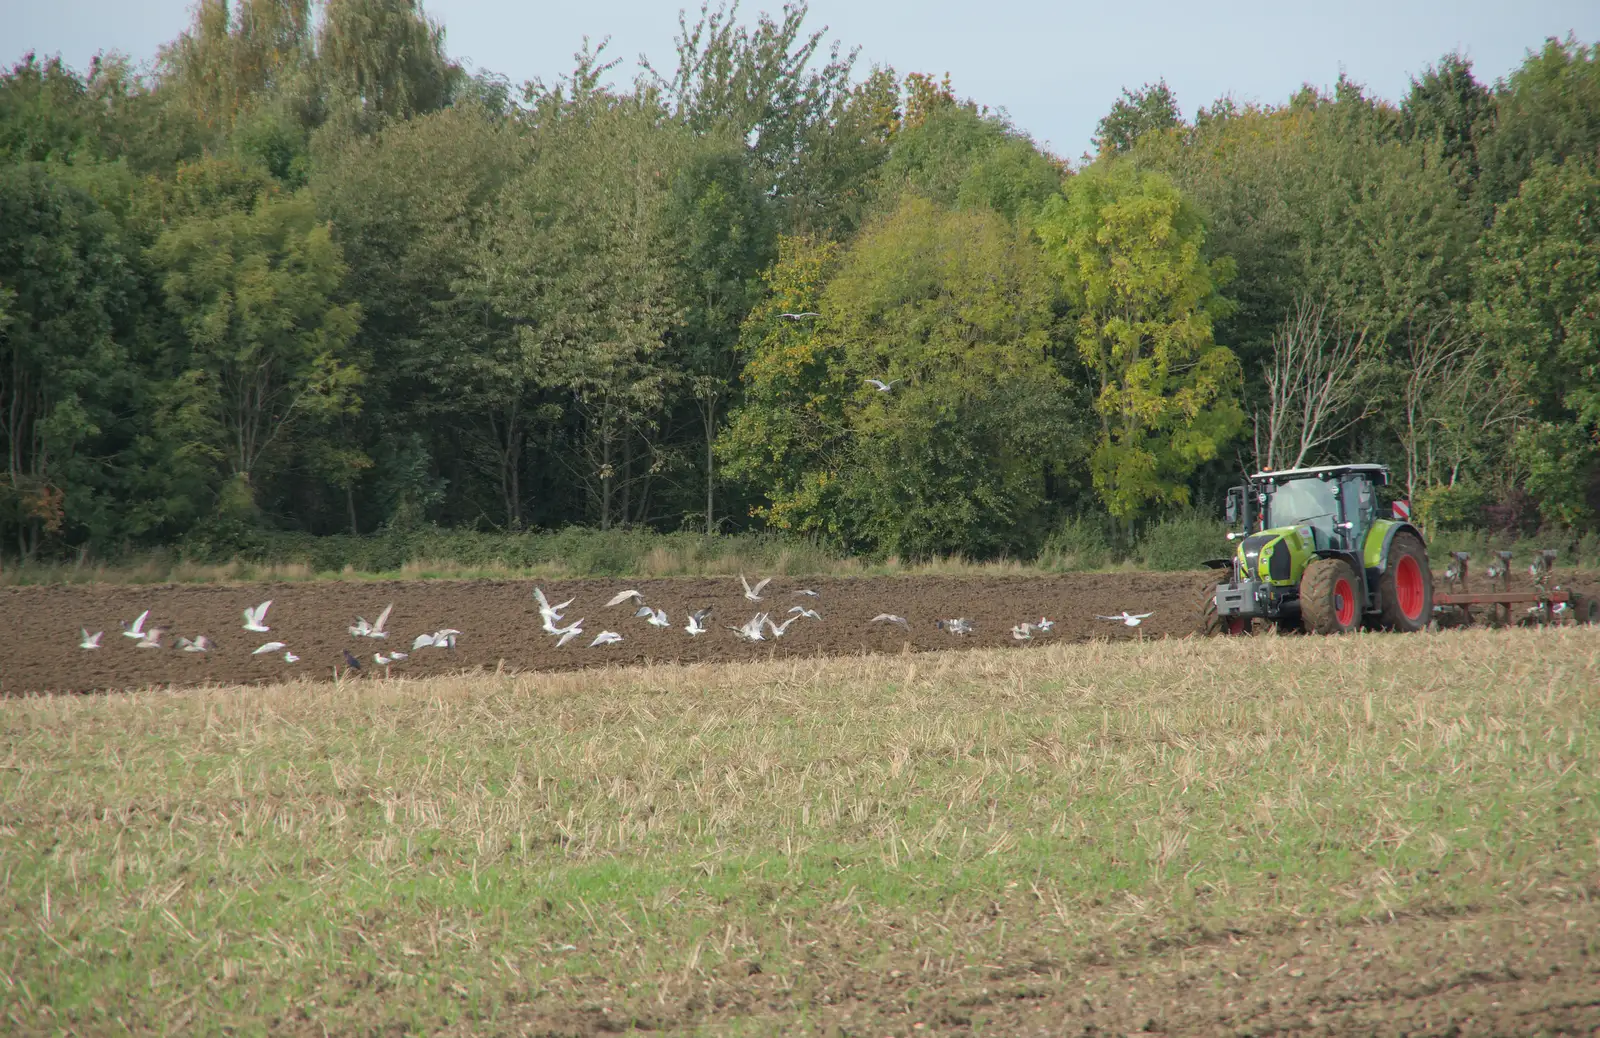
<point x="1304" y="502"/>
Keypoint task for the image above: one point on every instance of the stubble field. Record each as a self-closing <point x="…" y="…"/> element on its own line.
<point x="1373" y="834"/>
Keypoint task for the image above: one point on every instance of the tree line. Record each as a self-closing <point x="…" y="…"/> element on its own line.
<point x="304" y="271"/>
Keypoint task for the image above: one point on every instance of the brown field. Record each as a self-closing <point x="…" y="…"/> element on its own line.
<point x="500" y="624"/>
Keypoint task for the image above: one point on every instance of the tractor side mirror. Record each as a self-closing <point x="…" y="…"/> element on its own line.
<point x="1231" y="507"/>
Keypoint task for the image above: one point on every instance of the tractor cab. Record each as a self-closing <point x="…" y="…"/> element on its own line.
<point x="1312" y="551"/>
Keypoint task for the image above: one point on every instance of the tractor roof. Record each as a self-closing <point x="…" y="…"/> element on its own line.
<point x="1379" y="474"/>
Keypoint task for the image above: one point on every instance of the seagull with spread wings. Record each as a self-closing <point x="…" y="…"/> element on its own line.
<point x="882" y="386"/>
<point x="1127" y="619"/>
<point x="754" y="593"/>
<point x="751" y="631"/>
<point x="135" y="630"/>
<point x="697" y="622"/>
<point x="90" y="641"/>
<point x="623" y="596"/>
<point x="255" y="617"/>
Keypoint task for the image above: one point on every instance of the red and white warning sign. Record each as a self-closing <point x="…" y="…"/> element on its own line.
<point x="1402" y="510"/>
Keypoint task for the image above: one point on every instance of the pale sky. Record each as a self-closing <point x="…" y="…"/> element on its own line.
<point x="1055" y="67"/>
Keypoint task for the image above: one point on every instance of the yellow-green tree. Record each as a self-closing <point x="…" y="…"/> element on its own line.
<point x="1128" y="249"/>
<point x="951" y="310"/>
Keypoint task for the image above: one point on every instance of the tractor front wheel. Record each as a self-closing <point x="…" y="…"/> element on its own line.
<point x="1405" y="592"/>
<point x="1328" y="600"/>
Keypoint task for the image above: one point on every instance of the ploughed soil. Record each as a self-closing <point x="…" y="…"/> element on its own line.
<point x="500" y="624"/>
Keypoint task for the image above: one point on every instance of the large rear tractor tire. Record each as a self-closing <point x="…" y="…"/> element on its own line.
<point x="1329" y="603"/>
<point x="1405" y="591"/>
<point x="1208" y="623"/>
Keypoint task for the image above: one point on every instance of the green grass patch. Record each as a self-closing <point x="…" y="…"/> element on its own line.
<point x="496" y="854"/>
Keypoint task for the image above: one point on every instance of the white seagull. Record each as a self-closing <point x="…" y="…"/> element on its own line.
<point x="697" y="622"/>
<point x="778" y="629"/>
<point x="136" y="629"/>
<point x="289" y="657"/>
<point x="959" y="626"/>
<point x="754" y="593"/>
<point x="890" y="618"/>
<point x="256" y="619"/>
<point x="751" y="631"/>
<point x="1045" y="624"/>
<point x="151" y="639"/>
<point x="269" y="647"/>
<point x="1023" y="632"/>
<point x="605" y="638"/>
<point x="363" y="629"/>
<point x="383" y="661"/>
<point x="569" y="632"/>
<point x="1127" y="619"/>
<point x="659" y="619"/>
<point x="884" y="387"/>
<point x="805" y="591"/>
<point x="548" y="611"/>
<point x="90" y="641"/>
<point x="199" y="643"/>
<point x="623" y="596"/>
<point x="796" y="317"/>
<point x="809" y="614"/>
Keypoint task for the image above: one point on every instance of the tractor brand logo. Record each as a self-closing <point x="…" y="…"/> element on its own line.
<point x="1402" y="510"/>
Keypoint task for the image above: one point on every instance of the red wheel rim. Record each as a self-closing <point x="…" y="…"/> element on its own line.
<point x="1235" y="625"/>
<point x="1344" y="602"/>
<point x="1408" y="587"/>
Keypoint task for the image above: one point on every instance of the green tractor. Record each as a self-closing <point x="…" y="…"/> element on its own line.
<point x="1314" y="555"/>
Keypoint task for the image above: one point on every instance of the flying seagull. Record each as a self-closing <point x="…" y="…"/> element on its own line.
<point x="751" y="631"/>
<point x="884" y="387"/>
<point x="255" y="619"/>
<point x="548" y="611"/>
<point x="809" y="614"/>
<point x="890" y="618"/>
<point x="623" y="596"/>
<point x="778" y="629"/>
<point x="754" y="593"/>
<point x="289" y="657"/>
<point x="659" y="619"/>
<point x="90" y="641"/>
<point x="135" y="629"/>
<point x="363" y="629"/>
<point x="697" y="622"/>
<point x="269" y="647"/>
<point x="1045" y="624"/>
<point x="200" y="643"/>
<point x="1023" y="632"/>
<point x="643" y="610"/>
<point x="796" y="317"/>
<point x="805" y="591"/>
<point x="959" y="626"/>
<point x="1127" y="619"/>
<point x="605" y="638"/>
<point x="568" y="634"/>
<point x="151" y="639"/>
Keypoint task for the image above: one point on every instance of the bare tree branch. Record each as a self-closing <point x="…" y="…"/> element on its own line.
<point x="1317" y="386"/>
